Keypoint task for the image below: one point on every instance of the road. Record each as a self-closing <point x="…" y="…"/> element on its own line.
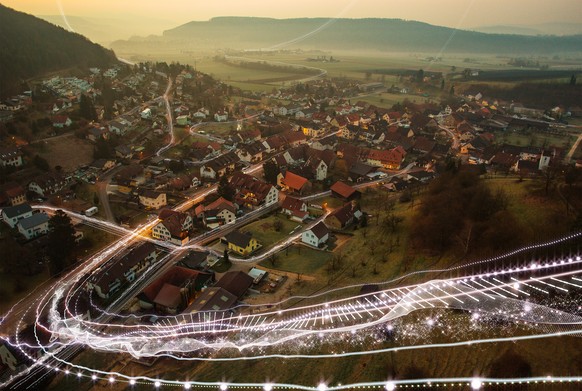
<point x="573" y="149"/>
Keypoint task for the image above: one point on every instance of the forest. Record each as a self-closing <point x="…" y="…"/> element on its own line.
<point x="32" y="47"/>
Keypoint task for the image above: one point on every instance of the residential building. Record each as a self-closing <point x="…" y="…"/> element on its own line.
<point x="252" y="192"/>
<point x="10" y="156"/>
<point x="242" y="243"/>
<point x="48" y="184"/>
<point x="295" y="208"/>
<point x="294" y="183"/>
<point x="33" y="226"/>
<point x="316" y="236"/>
<point x="235" y="282"/>
<point x="13" y="214"/>
<point x="152" y="199"/>
<point x="174" y="227"/>
<point x="343" y="191"/>
<point x="344" y="216"/>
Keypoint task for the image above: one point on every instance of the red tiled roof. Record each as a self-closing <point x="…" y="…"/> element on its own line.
<point x="294" y="181"/>
<point x="292" y="203"/>
<point x="345" y="191"/>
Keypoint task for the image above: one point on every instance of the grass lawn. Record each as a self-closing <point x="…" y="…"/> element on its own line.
<point x="264" y="230"/>
<point x="299" y="259"/>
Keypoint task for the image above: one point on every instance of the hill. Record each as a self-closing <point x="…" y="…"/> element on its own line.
<point x="32" y="47"/>
<point x="360" y="34"/>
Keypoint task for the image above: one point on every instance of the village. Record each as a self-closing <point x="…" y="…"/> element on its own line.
<point x="236" y="178"/>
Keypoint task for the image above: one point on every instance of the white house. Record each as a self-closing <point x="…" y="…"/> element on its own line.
<point x="221" y="116"/>
<point x="10" y="157"/>
<point x="174" y="227"/>
<point x="146" y="114"/>
<point x="152" y="199"/>
<point x="33" y="226"/>
<point x="317" y="236"/>
<point x="12" y="214"/>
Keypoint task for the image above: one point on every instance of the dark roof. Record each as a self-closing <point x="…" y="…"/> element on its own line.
<point x="18" y="210"/>
<point x="320" y="230"/>
<point x="213" y="299"/>
<point x="292" y="203"/>
<point x="240" y="239"/>
<point x="362" y="169"/>
<point x="34" y="220"/>
<point x="235" y="282"/>
<point x="345" y="213"/>
<point x="194" y="258"/>
<point x="169" y="296"/>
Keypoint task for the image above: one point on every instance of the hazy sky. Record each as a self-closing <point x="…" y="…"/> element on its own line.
<point x="453" y="13"/>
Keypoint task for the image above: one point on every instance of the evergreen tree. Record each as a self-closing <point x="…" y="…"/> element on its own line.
<point x="224" y="189"/>
<point x="61" y="242"/>
<point x="87" y="108"/>
<point x="573" y="80"/>
<point x="270" y="171"/>
<point x="41" y="163"/>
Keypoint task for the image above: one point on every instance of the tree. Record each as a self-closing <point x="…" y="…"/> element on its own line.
<point x="41" y="163"/>
<point x="95" y="199"/>
<point x="225" y="256"/>
<point x="420" y="76"/>
<point x="573" y="80"/>
<point x="442" y="84"/>
<point x="452" y="90"/>
<point x="224" y="189"/>
<point x="61" y="242"/>
<point x="271" y="171"/>
<point x="87" y="109"/>
<point x="278" y="225"/>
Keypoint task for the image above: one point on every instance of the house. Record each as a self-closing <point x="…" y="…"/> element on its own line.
<point x="13" y="214"/>
<point x="212" y="299"/>
<point x="14" y="194"/>
<point x="294" y="183"/>
<point x="221" y="116"/>
<point x="316" y="236"/>
<point x="242" y="243"/>
<point x="423" y="145"/>
<point x="235" y="282"/>
<point x="33" y="226"/>
<point x="47" y="184"/>
<point x="97" y="133"/>
<point x="251" y="153"/>
<point x="219" y="166"/>
<point x="217" y="213"/>
<point x="389" y="159"/>
<point x="172" y="292"/>
<point x="174" y="227"/>
<point x="122" y="270"/>
<point x="118" y="128"/>
<point x="61" y="121"/>
<point x="102" y="164"/>
<point x="344" y="216"/>
<point x="146" y="113"/>
<point x="252" y="192"/>
<point x="152" y="199"/>
<point x="10" y="156"/>
<point x="295" y="208"/>
<point x="194" y="259"/>
<point x="123" y="151"/>
<point x="359" y="171"/>
<point x="182" y="120"/>
<point x="343" y="191"/>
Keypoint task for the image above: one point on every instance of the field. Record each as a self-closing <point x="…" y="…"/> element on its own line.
<point x="265" y="232"/>
<point x="67" y="151"/>
<point x="299" y="259"/>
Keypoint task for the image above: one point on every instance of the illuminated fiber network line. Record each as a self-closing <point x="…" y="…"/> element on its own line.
<point x="507" y="294"/>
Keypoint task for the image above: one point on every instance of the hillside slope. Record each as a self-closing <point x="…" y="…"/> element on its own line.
<point x="352" y="34"/>
<point x="32" y="47"/>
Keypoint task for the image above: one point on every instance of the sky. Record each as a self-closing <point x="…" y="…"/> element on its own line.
<point x="451" y="13"/>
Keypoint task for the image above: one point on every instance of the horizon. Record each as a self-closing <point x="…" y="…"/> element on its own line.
<point x="459" y="14"/>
